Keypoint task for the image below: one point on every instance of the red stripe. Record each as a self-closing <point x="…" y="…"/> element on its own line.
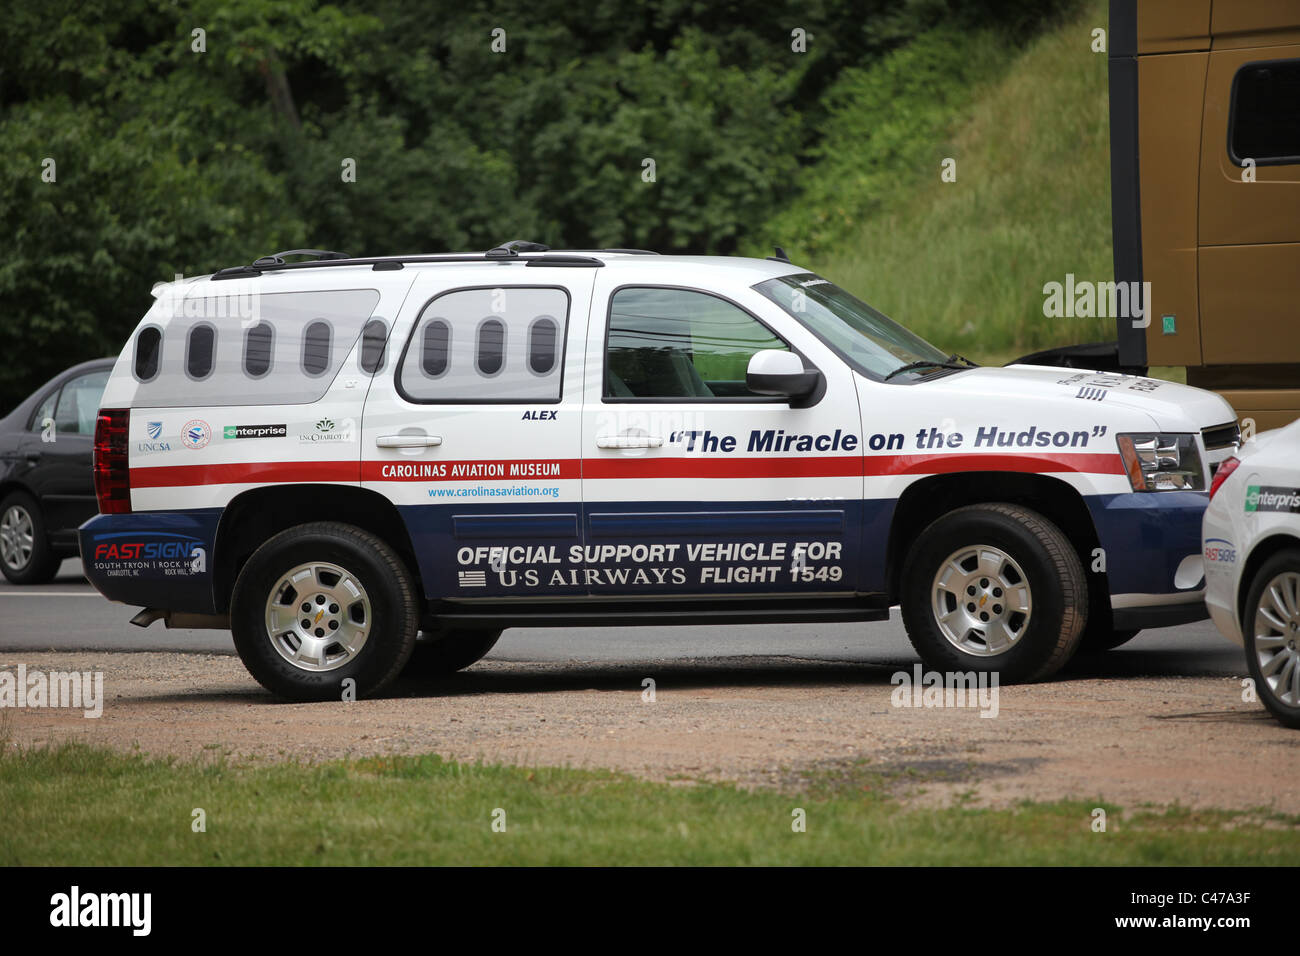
<point x="839" y="466"/>
<point x="501" y="470"/>
<point x="1109" y="464"/>
<point x="842" y="466"/>
<point x="176" y="476"/>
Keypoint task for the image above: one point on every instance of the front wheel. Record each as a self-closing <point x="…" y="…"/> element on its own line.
<point x="322" y="604"/>
<point x="994" y="588"/>
<point x="1271" y="628"/>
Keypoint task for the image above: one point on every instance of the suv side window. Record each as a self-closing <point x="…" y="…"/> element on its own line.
<point x="680" y="344"/>
<point x="487" y="345"/>
<point x="79" y="404"/>
<point x="277" y="348"/>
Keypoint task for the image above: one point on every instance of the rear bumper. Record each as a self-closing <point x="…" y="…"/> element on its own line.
<point x="152" y="559"/>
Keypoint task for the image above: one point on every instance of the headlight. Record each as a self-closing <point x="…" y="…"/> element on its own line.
<point x="1162" y="462"/>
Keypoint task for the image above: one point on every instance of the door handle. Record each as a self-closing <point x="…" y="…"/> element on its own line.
<point x="408" y="441"/>
<point x="629" y="441"/>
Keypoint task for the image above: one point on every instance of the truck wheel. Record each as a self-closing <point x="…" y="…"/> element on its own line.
<point x="320" y="604"/>
<point x="446" y="651"/>
<point x="1271" y="628"/>
<point x="994" y="588"/>
<point x="25" y="553"/>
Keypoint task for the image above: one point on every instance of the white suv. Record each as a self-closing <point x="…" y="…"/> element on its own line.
<point x="1252" y="558"/>
<point x="331" y="456"/>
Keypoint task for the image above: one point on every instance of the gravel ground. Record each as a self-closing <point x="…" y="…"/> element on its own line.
<point x="759" y="721"/>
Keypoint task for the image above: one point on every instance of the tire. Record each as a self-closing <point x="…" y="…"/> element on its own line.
<point x="1027" y="559"/>
<point x="25" y="553"/>
<point x="1101" y="639"/>
<point x="357" y="589"/>
<point x="1270" y="627"/>
<point x="444" y="652"/>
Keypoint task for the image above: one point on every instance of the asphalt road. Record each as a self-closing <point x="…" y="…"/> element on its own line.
<point x="69" y="615"/>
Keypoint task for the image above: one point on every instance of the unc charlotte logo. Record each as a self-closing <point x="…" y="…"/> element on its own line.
<point x="196" y="433"/>
<point x="325" y="430"/>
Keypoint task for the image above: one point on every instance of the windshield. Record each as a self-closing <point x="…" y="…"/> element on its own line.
<point x="868" y="340"/>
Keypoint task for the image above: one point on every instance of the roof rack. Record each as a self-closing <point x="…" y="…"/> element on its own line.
<point x="505" y="254"/>
<point x="277" y="259"/>
<point x="514" y="247"/>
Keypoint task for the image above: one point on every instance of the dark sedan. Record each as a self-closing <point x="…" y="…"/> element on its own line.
<point x="46" y="483"/>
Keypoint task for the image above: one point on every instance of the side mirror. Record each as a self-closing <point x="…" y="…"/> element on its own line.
<point x="777" y="372"/>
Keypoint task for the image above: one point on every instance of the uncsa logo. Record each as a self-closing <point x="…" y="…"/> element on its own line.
<point x="154" y="431"/>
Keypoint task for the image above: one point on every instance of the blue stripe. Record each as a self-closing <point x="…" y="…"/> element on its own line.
<point x="515" y="525"/>
<point x="667" y="524"/>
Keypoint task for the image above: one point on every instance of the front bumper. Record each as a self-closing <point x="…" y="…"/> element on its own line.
<point x="1224" y="543"/>
<point x="1151" y="543"/>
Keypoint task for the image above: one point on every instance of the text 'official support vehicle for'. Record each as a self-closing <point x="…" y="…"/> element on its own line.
<point x="333" y="456"/>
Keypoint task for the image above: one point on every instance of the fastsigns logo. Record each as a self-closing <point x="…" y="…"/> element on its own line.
<point x="1220" y="551"/>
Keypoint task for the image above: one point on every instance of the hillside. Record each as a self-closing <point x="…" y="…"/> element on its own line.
<point x="964" y="263"/>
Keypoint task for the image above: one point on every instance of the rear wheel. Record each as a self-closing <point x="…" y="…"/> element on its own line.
<point x="25" y="553"/>
<point x="994" y="588"/>
<point x="445" y="651"/>
<point x="321" y="604"/>
<point x="1271" y="629"/>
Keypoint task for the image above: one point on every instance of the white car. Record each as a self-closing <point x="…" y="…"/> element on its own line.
<point x="328" y="456"/>
<point x="1251" y="542"/>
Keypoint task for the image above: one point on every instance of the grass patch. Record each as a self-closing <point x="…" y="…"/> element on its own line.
<point x="71" y="804"/>
<point x="964" y="263"/>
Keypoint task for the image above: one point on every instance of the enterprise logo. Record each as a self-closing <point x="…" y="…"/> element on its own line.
<point x="1269" y="498"/>
<point x="255" y="431"/>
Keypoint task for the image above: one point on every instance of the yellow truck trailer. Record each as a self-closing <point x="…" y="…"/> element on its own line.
<point x="1205" y="194"/>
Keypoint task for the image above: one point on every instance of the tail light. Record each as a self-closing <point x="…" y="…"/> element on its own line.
<point x="112" y="473"/>
<point x="1226" y="467"/>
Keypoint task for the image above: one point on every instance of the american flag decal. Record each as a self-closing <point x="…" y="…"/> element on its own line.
<point x="473" y="579"/>
<point x="1095" y="394"/>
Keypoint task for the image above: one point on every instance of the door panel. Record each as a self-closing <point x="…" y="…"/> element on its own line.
<point x="1250" y="218"/>
<point x="474" y="431"/>
<point x="59" y="458"/>
<point x="1170" y="105"/>
<point x="1233" y="209"/>
<point x="692" y="485"/>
